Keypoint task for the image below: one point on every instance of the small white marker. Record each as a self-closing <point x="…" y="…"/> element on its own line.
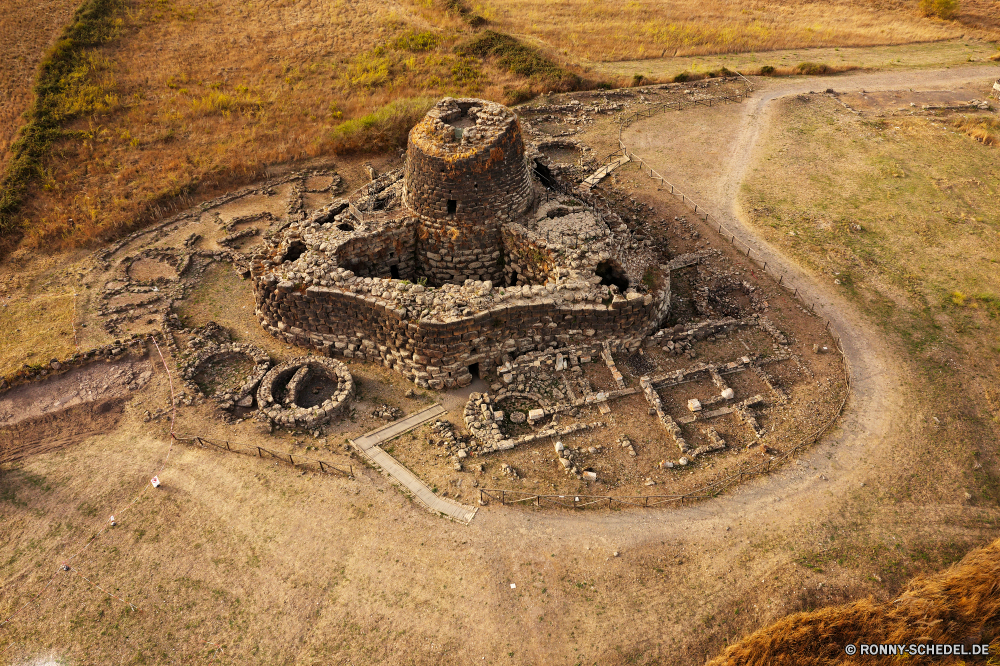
<point x="155" y="481"/>
<point x="513" y="586"/>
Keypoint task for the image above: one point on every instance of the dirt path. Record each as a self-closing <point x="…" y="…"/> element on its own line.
<point x="844" y="459"/>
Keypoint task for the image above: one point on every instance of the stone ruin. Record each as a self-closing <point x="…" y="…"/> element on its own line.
<point x="471" y="255"/>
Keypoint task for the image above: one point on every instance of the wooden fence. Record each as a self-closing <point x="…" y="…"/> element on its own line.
<point x="747" y="470"/>
<point x="300" y="461"/>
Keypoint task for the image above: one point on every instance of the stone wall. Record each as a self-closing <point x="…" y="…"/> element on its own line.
<point x="375" y="255"/>
<point x="465" y="174"/>
<point x="438" y="354"/>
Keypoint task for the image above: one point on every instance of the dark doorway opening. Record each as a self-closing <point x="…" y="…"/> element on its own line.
<point x="452" y="206"/>
<point x="344" y="226"/>
<point x="545" y="175"/>
<point x="394" y="271"/>
<point x="474" y="370"/>
<point x="513" y="279"/>
<point x="612" y="274"/>
<point x="295" y="250"/>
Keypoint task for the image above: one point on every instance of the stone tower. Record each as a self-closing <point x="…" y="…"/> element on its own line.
<point x="465" y="174"/>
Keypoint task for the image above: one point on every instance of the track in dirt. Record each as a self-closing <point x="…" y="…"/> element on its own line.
<point x="872" y="412"/>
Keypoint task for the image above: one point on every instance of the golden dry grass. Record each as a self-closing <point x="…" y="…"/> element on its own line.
<point x="960" y="605"/>
<point x="28" y="28"/>
<point x="604" y="31"/>
<point x="35" y="330"/>
<point x="197" y="95"/>
<point x="983" y="129"/>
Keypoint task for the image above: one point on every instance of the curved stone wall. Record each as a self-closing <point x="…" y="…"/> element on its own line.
<point x="438" y="354"/>
<point x="465" y="174"/>
<point x="293" y="375"/>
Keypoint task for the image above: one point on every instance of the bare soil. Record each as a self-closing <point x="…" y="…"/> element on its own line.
<point x="238" y="558"/>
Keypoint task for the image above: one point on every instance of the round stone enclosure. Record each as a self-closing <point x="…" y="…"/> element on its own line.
<point x="154" y="267"/>
<point x="228" y="373"/>
<point x="306" y="391"/>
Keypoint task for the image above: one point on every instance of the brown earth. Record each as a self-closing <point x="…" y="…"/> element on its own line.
<point x="236" y="558"/>
<point x="29" y="27"/>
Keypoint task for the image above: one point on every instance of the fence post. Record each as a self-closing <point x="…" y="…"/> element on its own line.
<point x="780" y="279"/>
<point x="259" y="453"/>
<point x="227" y="446"/>
<point x="321" y="467"/>
<point x="748" y="250"/>
<point x="503" y="497"/>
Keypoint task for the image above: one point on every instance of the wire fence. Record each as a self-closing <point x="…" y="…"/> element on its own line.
<point x="300" y="461"/>
<point x="745" y="471"/>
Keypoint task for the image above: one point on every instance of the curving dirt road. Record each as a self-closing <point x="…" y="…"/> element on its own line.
<point x="845" y="457"/>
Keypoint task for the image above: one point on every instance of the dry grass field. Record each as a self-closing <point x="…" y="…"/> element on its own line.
<point x="189" y="98"/>
<point x="900" y="56"/>
<point x="607" y="31"/>
<point x="961" y="601"/>
<point x="240" y="560"/>
<point x="193" y="96"/>
<point x="28" y="27"/>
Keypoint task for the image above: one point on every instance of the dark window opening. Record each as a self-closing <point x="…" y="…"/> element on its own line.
<point x="295" y="250"/>
<point x="513" y="278"/>
<point x="611" y="274"/>
<point x="452" y="206"/>
<point x="392" y="254"/>
<point x="394" y="271"/>
<point x="344" y="226"/>
<point x="474" y="370"/>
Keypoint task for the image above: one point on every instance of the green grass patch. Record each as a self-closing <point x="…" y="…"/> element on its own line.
<point x="73" y="81"/>
<point x="382" y="129"/>
<point x="513" y="56"/>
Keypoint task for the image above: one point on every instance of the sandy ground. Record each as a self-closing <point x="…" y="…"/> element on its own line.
<point x="239" y="560"/>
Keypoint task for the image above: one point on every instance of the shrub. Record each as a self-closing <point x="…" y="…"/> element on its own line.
<point x="637" y="79"/>
<point x="511" y="55"/>
<point x="412" y="40"/>
<point x="766" y="70"/>
<point x="382" y="129"/>
<point x="943" y="9"/>
<point x="813" y="68"/>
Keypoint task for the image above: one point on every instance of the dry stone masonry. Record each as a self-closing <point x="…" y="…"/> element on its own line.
<point x="472" y="254"/>
<point x="287" y="393"/>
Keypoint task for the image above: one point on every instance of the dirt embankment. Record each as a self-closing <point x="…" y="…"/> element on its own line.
<point x="46" y="415"/>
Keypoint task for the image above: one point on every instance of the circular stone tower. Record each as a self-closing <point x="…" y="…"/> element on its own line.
<point x="465" y="174"/>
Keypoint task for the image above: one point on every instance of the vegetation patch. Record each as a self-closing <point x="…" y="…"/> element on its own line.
<point x="943" y="608"/>
<point x="72" y="81"/>
<point x="513" y="56"/>
<point x="382" y="129"/>
<point x="981" y="128"/>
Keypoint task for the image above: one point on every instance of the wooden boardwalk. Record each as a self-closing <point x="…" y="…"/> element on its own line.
<point x="368" y="446"/>
<point x="598" y="176"/>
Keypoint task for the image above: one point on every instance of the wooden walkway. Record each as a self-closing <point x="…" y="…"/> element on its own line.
<point x="368" y="446"/>
<point x="598" y="176"/>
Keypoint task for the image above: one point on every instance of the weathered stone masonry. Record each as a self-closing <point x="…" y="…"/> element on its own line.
<point x="465" y="174"/>
<point x="438" y="354"/>
<point x="341" y="282"/>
